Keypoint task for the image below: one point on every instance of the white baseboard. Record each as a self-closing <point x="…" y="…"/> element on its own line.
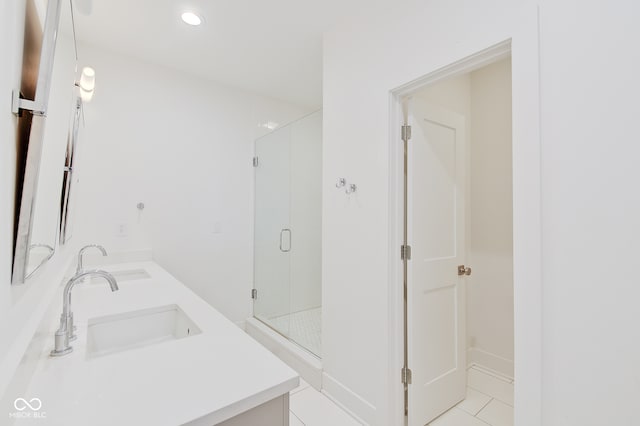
<point x="490" y="361"/>
<point x="352" y="403"/>
<point x="306" y="365"/>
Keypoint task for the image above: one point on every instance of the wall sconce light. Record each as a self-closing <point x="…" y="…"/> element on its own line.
<point x="87" y="83"/>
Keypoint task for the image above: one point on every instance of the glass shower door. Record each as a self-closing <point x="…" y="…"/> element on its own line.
<point x="288" y="231"/>
<point x="272" y="252"/>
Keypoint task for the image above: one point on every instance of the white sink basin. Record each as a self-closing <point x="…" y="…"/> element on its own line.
<point x="130" y="330"/>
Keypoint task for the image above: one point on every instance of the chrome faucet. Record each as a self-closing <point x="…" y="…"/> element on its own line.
<point x="71" y="329"/>
<point x="62" y="346"/>
<point x="80" y="267"/>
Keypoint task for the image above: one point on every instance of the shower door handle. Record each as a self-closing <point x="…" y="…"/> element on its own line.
<point x="282" y="231"/>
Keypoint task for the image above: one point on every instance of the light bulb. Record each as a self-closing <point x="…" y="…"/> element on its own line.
<point x="87" y="83"/>
<point x="191" y="18"/>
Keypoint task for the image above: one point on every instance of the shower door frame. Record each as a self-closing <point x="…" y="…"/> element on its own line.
<point x="523" y="45"/>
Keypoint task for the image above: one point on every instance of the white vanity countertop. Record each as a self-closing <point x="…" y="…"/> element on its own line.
<point x="202" y="379"/>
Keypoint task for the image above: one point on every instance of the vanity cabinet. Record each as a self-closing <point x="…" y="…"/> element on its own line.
<point x="271" y="413"/>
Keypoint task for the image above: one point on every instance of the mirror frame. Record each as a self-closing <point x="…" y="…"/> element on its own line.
<point x="37" y="108"/>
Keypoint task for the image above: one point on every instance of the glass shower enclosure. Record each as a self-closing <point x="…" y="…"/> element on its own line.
<point x="287" y="231"/>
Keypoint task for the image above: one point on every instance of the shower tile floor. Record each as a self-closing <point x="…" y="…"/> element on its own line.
<point x="303" y="327"/>
<point x="489" y="401"/>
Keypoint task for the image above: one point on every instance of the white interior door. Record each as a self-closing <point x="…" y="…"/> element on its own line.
<point x="436" y="306"/>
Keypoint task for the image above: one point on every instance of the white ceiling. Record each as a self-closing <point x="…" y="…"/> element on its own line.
<point x="272" y="47"/>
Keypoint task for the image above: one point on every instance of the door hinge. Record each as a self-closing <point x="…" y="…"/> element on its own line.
<point x="254" y="293"/>
<point x="255" y="162"/>
<point x="405" y="252"/>
<point x="406" y="132"/>
<point x="406" y="376"/>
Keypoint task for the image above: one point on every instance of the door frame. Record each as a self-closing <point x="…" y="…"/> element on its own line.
<point x="527" y="217"/>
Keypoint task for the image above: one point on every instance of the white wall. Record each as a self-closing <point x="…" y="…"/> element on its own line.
<point x="590" y="206"/>
<point x="183" y="147"/>
<point x="591" y="211"/>
<point x="490" y="251"/>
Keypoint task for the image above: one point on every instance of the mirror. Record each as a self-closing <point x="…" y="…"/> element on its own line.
<point x="43" y="106"/>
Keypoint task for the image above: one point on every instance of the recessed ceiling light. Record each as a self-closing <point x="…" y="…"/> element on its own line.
<point x="191" y="18"/>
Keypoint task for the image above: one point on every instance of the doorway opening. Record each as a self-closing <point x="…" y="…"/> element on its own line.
<point x="458" y="246"/>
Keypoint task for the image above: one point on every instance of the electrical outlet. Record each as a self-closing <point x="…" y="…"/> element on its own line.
<point x="123" y="230"/>
<point x="217" y="228"/>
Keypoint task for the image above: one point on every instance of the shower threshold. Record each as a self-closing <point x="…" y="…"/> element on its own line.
<point x="303" y="361"/>
<point x="303" y="328"/>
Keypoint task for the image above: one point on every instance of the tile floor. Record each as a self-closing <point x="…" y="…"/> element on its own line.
<point x="303" y="327"/>
<point x="489" y="402"/>
<point x="308" y="407"/>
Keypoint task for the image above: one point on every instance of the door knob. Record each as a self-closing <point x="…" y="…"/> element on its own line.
<point x="463" y="270"/>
